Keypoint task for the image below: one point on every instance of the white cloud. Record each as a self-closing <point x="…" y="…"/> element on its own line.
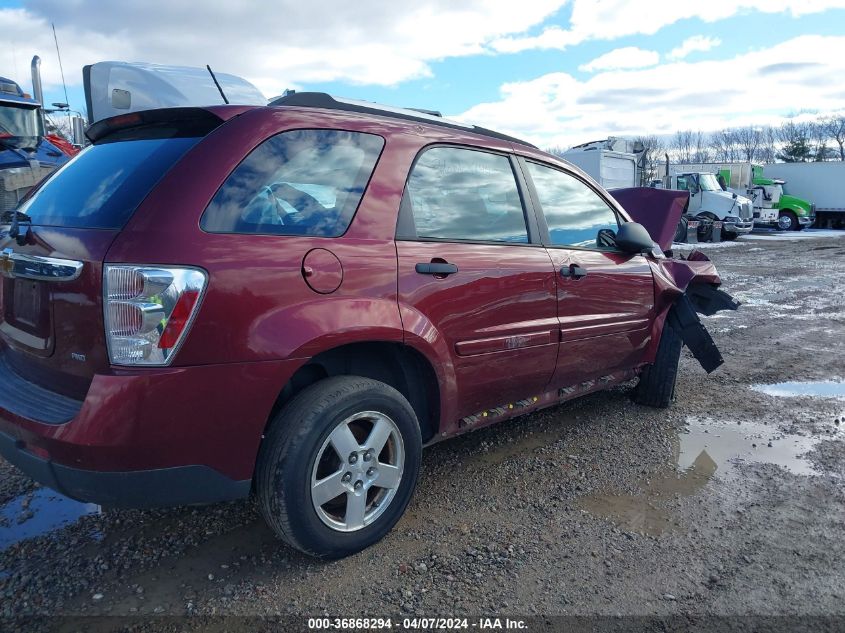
<point x="275" y="45"/>
<point x="765" y="85"/>
<point x="627" y="57"/>
<point x="612" y="19"/>
<point x="695" y="43"/>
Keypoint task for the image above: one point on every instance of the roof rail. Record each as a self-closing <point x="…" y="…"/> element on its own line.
<point x="323" y="100"/>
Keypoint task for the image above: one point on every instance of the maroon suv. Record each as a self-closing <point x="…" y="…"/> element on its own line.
<point x="292" y="300"/>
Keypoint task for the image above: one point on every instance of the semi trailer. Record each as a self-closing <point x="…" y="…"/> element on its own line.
<point x="822" y="182"/>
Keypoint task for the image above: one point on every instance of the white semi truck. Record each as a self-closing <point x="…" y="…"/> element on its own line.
<point x="822" y="183"/>
<point x="772" y="205"/>
<point x="708" y="201"/>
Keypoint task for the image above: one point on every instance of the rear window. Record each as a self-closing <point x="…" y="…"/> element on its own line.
<point x="301" y="182"/>
<point x="104" y="184"/>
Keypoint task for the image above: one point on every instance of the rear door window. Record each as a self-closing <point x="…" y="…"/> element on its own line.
<point x="460" y="194"/>
<point x="300" y="182"/>
<point x="101" y="187"/>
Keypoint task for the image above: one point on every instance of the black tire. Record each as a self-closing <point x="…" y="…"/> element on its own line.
<point x="657" y="381"/>
<point x="291" y="447"/>
<point x="728" y="236"/>
<point x="794" y="225"/>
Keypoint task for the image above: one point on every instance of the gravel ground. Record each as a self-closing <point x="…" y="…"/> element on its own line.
<point x="731" y="502"/>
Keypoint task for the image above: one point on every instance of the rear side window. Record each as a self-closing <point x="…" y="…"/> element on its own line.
<point x="575" y="214"/>
<point x="301" y="182"/>
<point x="462" y="194"/>
<point x="101" y="187"/>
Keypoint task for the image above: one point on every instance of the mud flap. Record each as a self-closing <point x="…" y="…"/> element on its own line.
<point x="684" y="319"/>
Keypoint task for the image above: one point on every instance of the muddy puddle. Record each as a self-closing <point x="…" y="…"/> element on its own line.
<point x="38" y="513"/>
<point x="833" y="389"/>
<point x="704" y="448"/>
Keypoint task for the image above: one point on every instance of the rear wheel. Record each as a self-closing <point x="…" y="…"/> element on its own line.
<point x="657" y="381"/>
<point x="339" y="465"/>
<point x="788" y="221"/>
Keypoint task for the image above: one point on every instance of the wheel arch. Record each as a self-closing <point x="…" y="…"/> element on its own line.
<point x="401" y="366"/>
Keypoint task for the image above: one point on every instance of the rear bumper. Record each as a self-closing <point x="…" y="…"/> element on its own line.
<point x="180" y="485"/>
<point x="152" y="437"/>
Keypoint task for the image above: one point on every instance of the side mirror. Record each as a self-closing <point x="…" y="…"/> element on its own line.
<point x="633" y="238"/>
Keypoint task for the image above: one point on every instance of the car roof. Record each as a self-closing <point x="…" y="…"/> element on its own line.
<point x="321" y="100"/>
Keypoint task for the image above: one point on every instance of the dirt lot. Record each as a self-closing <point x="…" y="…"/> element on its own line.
<point x="729" y="503"/>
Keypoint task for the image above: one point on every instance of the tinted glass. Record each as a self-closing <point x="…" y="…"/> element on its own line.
<point x="575" y="214"/>
<point x="19" y="121"/>
<point x="461" y="194"/>
<point x="102" y="186"/>
<point x="302" y="182"/>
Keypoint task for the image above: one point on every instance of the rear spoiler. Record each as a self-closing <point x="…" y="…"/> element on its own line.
<point x="158" y="123"/>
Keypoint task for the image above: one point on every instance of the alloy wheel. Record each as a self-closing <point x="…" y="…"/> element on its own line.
<point x="357" y="471"/>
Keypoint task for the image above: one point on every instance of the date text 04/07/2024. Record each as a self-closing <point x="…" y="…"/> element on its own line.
<point x="415" y="624"/>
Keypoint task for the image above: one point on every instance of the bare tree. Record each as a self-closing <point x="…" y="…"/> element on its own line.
<point x="701" y="148"/>
<point x="651" y="156"/>
<point x="748" y="139"/>
<point x="768" y="145"/>
<point x="795" y="137"/>
<point x="819" y="137"/>
<point x="683" y="146"/>
<point x="836" y="130"/>
<point x="723" y="144"/>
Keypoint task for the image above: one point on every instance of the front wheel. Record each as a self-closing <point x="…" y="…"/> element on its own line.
<point x="788" y="221"/>
<point x="657" y="381"/>
<point x="339" y="465"/>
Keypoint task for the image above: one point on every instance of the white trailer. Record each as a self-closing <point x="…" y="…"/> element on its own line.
<point x="611" y="162"/>
<point x="821" y="183"/>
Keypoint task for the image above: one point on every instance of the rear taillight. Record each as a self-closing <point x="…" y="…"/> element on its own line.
<point x="148" y="310"/>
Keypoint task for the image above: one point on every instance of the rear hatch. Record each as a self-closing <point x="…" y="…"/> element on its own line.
<point x="51" y="288"/>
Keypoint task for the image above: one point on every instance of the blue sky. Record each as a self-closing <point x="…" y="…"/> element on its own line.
<point x="460" y="83"/>
<point x="524" y="69"/>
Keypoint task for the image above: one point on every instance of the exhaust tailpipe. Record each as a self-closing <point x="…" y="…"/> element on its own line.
<point x="37" y="91"/>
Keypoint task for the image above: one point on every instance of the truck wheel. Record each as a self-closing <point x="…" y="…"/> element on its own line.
<point x="657" y="381"/>
<point x="788" y="221"/>
<point x="338" y="466"/>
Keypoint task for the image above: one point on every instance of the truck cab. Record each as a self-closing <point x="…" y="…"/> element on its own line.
<point x="772" y="205"/>
<point x="26" y="156"/>
<point x="708" y="201"/>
